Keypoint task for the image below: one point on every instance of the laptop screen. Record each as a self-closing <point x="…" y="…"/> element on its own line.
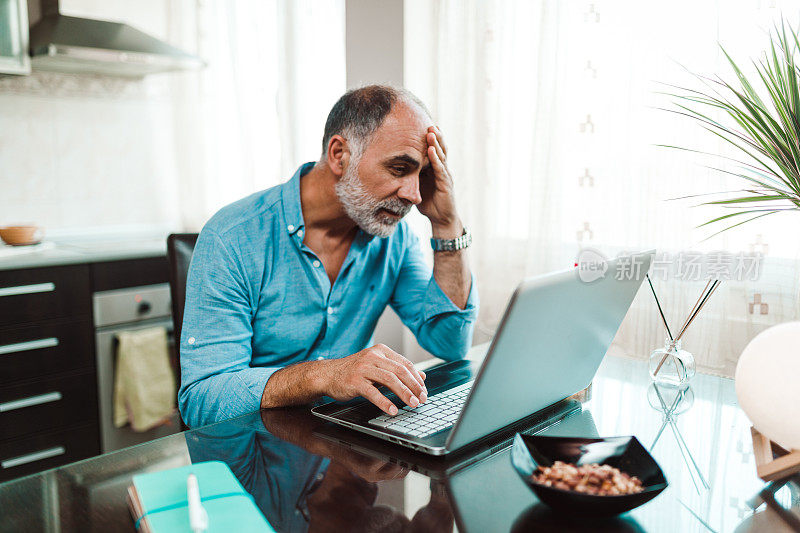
<point x="554" y="334"/>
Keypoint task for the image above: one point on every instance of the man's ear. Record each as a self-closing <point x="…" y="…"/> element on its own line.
<point x="338" y="155"/>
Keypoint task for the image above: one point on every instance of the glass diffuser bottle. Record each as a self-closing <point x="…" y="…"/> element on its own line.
<point x="672" y="365"/>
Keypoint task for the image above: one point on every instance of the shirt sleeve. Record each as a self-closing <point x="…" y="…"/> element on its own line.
<point x="439" y="325"/>
<point x="217" y="381"/>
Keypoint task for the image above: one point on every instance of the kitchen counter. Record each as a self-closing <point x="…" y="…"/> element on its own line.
<point x="306" y="474"/>
<point x="66" y="251"/>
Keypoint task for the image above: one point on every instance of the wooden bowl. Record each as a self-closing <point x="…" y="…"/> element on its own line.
<point x="21" y="235"/>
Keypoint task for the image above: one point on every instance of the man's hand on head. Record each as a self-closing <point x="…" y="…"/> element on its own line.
<point x="362" y="373"/>
<point x="436" y="189"/>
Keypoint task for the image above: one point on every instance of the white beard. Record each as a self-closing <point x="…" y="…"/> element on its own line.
<point x="363" y="208"/>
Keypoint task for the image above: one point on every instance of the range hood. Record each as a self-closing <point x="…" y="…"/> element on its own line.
<point x="82" y="45"/>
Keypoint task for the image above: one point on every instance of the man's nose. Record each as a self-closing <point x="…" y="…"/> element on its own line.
<point x="409" y="190"/>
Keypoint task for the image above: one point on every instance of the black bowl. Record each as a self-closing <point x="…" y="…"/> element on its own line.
<point x="625" y="453"/>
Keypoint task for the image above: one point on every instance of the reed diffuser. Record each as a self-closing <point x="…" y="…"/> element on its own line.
<point x="672" y="365"/>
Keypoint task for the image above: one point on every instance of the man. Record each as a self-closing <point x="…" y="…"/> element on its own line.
<point x="286" y="286"/>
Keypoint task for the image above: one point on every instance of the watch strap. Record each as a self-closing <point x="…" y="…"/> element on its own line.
<point x="452" y="245"/>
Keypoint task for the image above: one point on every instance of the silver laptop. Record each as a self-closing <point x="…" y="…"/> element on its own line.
<point x="551" y="340"/>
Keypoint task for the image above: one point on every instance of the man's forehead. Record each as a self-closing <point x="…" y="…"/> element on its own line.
<point x="403" y="132"/>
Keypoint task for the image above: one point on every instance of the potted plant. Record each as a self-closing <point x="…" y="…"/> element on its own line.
<point x="766" y="129"/>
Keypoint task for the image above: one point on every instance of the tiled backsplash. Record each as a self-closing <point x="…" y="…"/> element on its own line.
<point x="87" y="151"/>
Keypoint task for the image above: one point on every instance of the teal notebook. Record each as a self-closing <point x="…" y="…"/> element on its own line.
<point x="159" y="502"/>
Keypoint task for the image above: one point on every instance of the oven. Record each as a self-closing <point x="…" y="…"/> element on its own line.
<point x="121" y="310"/>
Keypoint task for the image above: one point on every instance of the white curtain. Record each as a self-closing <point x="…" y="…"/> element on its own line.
<point x="257" y="111"/>
<point x="551" y="113"/>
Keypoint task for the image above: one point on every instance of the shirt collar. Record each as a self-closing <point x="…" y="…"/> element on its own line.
<point x="290" y="195"/>
<point x="293" y="211"/>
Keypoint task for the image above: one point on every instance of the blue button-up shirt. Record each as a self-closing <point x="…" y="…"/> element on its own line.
<point x="258" y="299"/>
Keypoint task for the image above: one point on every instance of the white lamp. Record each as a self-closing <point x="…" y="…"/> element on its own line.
<point x="768" y="389"/>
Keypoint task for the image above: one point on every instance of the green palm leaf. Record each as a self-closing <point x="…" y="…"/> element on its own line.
<point x="762" y="120"/>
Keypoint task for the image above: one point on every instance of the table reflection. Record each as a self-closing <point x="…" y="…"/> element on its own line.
<point x="304" y="483"/>
<point x="782" y="513"/>
<point x="307" y="475"/>
<point x="540" y="517"/>
<point x="671" y="402"/>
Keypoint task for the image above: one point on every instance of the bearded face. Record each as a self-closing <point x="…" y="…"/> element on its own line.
<point x="381" y="180"/>
<point x="374" y="216"/>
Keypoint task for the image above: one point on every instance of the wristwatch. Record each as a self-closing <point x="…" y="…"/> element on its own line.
<point x="451" y="245"/>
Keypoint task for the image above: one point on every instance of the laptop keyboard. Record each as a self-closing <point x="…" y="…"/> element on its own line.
<point x="439" y="412"/>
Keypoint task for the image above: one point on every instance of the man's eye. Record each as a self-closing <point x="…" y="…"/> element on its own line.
<point x="399" y="170"/>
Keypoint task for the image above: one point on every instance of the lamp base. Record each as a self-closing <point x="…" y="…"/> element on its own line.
<point x="772" y="461"/>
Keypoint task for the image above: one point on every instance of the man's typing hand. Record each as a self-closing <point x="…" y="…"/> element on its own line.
<point x="362" y="373"/>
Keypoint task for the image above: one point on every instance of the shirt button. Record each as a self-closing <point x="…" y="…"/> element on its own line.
<point x="320" y="358"/>
<point x="316" y="263"/>
<point x="330" y="310"/>
<point x="300" y="232"/>
<point x="191" y="340"/>
<point x="290" y="227"/>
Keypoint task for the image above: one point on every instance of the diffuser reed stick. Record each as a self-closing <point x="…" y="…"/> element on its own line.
<point x="663" y="318"/>
<point x="704" y="296"/>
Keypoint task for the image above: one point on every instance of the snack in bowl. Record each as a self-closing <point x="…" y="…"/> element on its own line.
<point x="532" y="454"/>
<point x="599" y="480"/>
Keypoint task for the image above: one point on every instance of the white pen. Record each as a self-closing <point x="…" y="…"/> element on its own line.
<point x="198" y="517"/>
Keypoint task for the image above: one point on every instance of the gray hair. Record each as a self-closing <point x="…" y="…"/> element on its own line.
<point x="360" y="112"/>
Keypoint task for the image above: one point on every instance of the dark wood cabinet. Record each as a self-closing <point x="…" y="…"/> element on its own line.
<point x="46" y="348"/>
<point x="49" y="412"/>
<point x="48" y="383"/>
<point x="42" y="293"/>
<point x="112" y="275"/>
<point x="40" y="451"/>
<point x="55" y="403"/>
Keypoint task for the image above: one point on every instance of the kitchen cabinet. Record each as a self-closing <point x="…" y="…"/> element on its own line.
<point x="49" y="398"/>
<point x="14" y="57"/>
<point x="36" y="294"/>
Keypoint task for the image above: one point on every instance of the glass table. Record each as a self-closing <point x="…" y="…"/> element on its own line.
<point x="305" y="474"/>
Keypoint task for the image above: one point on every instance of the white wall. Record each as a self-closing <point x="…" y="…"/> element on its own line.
<point x="80" y="151"/>
<point x="374" y="41"/>
<point x="76" y="157"/>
